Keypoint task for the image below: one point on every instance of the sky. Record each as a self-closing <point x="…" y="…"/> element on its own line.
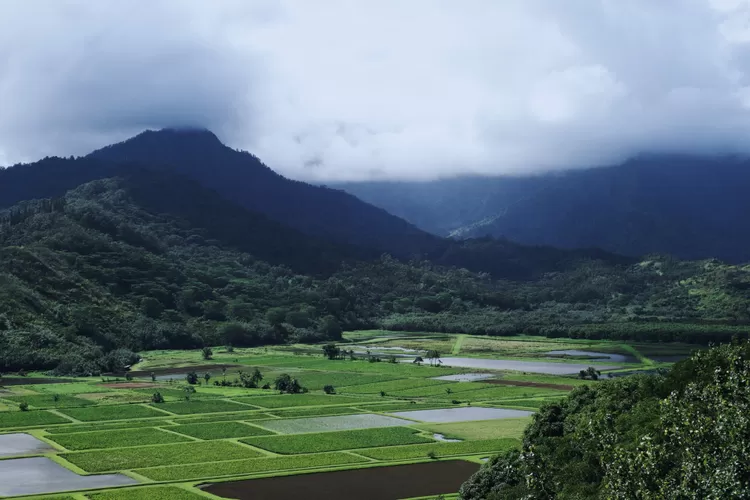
<point x="330" y="90"/>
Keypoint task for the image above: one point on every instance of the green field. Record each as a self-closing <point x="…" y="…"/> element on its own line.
<point x="148" y="493"/>
<point x="201" y="406"/>
<point x="152" y="456"/>
<point x="116" y="439"/>
<point x="251" y="466"/>
<point x="335" y="441"/>
<point x="223" y="432"/>
<point x="111" y="412"/>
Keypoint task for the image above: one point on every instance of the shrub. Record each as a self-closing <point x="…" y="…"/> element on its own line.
<point x="329" y="389"/>
<point x="157" y="398"/>
<point x="23" y="406"/>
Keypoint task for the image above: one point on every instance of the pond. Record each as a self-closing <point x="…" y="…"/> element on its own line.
<point x="335" y="423"/>
<point x="22" y="444"/>
<point x="463" y="414"/>
<point x="39" y="475"/>
<point x="375" y="483"/>
<point x="546" y="368"/>
<point x="615" y="358"/>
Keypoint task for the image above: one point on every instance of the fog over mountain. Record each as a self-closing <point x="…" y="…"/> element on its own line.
<point x="340" y="90"/>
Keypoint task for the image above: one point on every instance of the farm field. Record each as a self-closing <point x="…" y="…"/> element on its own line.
<point x="108" y="438"/>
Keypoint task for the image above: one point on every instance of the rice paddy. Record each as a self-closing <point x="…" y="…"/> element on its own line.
<point x="107" y="439"/>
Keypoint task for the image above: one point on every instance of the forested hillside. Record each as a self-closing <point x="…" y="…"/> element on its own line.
<point x="691" y="207"/>
<point x="153" y="260"/>
<point x="682" y="435"/>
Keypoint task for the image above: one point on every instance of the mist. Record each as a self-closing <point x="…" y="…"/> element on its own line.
<point x="340" y="90"/>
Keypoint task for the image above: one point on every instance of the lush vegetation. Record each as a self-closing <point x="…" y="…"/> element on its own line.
<point x="679" y="435"/>
<point x="210" y="430"/>
<point x="147" y="260"/>
<point x="116" y="439"/>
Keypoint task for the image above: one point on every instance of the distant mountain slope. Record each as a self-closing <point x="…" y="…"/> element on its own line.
<point x="691" y="207"/>
<point x="244" y="179"/>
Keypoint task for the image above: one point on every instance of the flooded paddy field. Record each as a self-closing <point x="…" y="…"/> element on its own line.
<point x="35" y="476"/>
<point x="547" y="368"/>
<point x="377" y="483"/>
<point x="334" y="423"/>
<point x="21" y="444"/>
<point x="463" y="414"/>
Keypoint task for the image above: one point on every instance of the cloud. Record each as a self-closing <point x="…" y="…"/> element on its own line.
<point x="335" y="89"/>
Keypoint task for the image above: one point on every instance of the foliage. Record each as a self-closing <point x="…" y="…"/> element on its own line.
<point x="329" y="389"/>
<point x="29" y="419"/>
<point x="285" y="383"/>
<point x="112" y="412"/>
<point x="331" y="351"/>
<point x="207" y="353"/>
<point x="201" y="406"/>
<point x="679" y="435"/>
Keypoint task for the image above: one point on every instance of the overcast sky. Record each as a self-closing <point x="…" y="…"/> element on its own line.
<point x="355" y="89"/>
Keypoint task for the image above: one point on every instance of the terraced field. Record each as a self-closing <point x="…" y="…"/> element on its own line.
<point x="108" y="439"/>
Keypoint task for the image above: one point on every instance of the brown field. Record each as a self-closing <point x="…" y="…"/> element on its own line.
<point x="375" y="483"/>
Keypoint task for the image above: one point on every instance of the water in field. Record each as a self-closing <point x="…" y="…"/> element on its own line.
<point x="616" y="358"/>
<point x="441" y="437"/>
<point x="466" y="377"/>
<point x="40" y="475"/>
<point x="543" y="367"/>
<point x="21" y="444"/>
<point x="463" y="414"/>
<point x="334" y="423"/>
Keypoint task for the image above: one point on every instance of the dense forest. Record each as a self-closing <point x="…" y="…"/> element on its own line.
<point x="679" y="435"/>
<point x="150" y="259"/>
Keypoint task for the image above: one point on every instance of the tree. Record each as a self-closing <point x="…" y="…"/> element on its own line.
<point x="56" y="398"/>
<point x="153" y="377"/>
<point x="191" y="378"/>
<point x="207" y="353"/>
<point x="434" y="357"/>
<point x="189" y="390"/>
<point x="330" y="327"/>
<point x="23" y="406"/>
<point x="418" y="360"/>
<point x="276" y="316"/>
<point x="157" y="398"/>
<point x="285" y="383"/>
<point x="331" y="351"/>
<point x="207" y="377"/>
<point x="328" y="389"/>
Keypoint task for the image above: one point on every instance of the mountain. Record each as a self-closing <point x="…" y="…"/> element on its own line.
<point x="687" y="206"/>
<point x="341" y="224"/>
<point x="151" y="259"/>
<point x="244" y="179"/>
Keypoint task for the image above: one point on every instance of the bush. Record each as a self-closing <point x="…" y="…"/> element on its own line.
<point x="23" y="406"/>
<point x="157" y="398"/>
<point x="328" y="389"/>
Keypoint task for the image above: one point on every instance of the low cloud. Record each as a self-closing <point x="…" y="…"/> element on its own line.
<point x="418" y="89"/>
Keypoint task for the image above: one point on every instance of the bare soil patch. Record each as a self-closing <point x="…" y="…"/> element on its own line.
<point x="517" y="383"/>
<point x="376" y="483"/>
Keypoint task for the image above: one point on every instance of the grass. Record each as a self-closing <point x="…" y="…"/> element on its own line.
<point x="111" y="412"/>
<point x="221" y="430"/>
<point x="11" y="419"/>
<point x="250" y="466"/>
<point x="483" y="429"/>
<point x="335" y="441"/>
<point x="70" y="388"/>
<point x="500" y="392"/>
<point x="201" y="406"/>
<point x="177" y="394"/>
<point x="441" y="449"/>
<point x="153" y="456"/>
<point x="442" y="390"/>
<point x="44" y="401"/>
<point x="525" y="403"/>
<point x="292" y="400"/>
<point x="116" y="439"/>
<point x="147" y="493"/>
